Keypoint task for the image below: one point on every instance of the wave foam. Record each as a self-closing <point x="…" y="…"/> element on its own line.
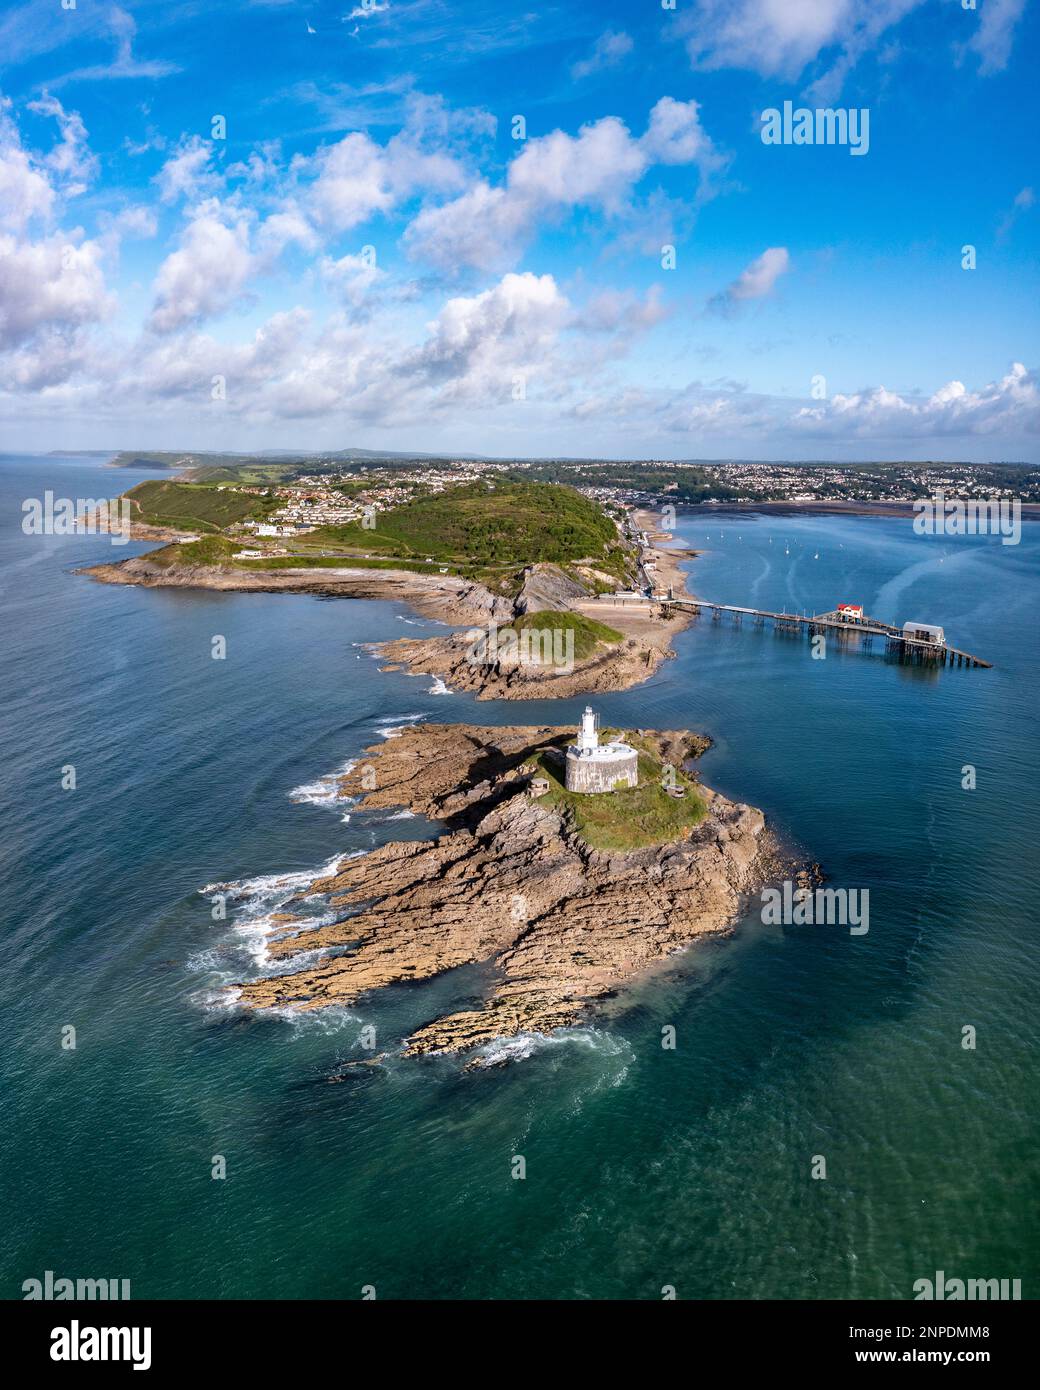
<point x="325" y="791"/>
<point x="524" y="1045"/>
<point x="395" y="727"/>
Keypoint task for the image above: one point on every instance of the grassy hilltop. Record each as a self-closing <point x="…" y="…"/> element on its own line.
<point x="485" y="523"/>
<point x="194" y="506"/>
<point x="481" y="530"/>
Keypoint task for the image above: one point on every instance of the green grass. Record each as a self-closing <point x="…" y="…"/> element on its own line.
<point x="208" y="550"/>
<point x="508" y="524"/>
<point x="290" y="562"/>
<point x="480" y="531"/>
<point x="633" y="818"/>
<point x="588" y="634"/>
<point x="194" y="506"/>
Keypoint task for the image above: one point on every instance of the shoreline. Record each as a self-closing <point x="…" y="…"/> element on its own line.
<point x="510" y="883"/>
<point x="646" y="632"/>
<point x="895" y="510"/>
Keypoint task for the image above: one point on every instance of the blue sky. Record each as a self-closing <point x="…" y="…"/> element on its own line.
<point x="370" y="256"/>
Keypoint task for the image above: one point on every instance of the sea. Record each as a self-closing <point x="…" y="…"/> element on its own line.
<point x="841" y="1115"/>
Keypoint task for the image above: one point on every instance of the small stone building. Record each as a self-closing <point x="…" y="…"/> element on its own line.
<point x="593" y="767"/>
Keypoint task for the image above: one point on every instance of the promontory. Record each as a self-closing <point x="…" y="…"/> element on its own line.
<point x="548" y="593"/>
<point x="565" y="896"/>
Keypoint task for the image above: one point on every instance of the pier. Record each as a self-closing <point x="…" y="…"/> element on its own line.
<point x="896" y="641"/>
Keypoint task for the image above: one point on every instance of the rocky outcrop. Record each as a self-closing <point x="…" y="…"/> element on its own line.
<point x="615" y="666"/>
<point x="447" y="597"/>
<point x="547" y="587"/>
<point x="511" y="884"/>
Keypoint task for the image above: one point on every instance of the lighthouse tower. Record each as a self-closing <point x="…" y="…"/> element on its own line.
<point x="599" y="767"/>
<point x="588" y="730"/>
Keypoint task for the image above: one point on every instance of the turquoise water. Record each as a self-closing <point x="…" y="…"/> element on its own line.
<point x="645" y="1167"/>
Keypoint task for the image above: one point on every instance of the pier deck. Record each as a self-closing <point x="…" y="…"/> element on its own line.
<point x="828" y="622"/>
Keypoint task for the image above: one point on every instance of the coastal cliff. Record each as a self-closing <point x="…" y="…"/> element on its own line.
<point x="518" y="882"/>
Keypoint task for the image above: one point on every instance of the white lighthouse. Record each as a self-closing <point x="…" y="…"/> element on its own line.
<point x="588" y="730"/>
<point x="599" y="767"/>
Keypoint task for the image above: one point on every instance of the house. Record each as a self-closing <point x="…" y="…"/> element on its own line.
<point x="851" y="612"/>
<point x="924" y="632"/>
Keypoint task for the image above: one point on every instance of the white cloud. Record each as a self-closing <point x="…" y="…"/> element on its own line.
<point x="772" y="37"/>
<point x="607" y="52"/>
<point x="356" y="178"/>
<point x="479" y="343"/>
<point x="55" y="284"/>
<point x="992" y="40"/>
<point x="483" y="228"/>
<point x="675" y="136"/>
<point x="25" y="189"/>
<point x="351" y="277"/>
<point x="284" y="228"/>
<point x="1008" y="406"/>
<point x="70" y="160"/>
<point x="124" y="64"/>
<point x="135" y="221"/>
<point x="781" y="38"/>
<point x="755" y="281"/>
<point x="205" y="275"/>
<point x="598" y="168"/>
<point x="351" y="183"/>
<point x="1024" y="199"/>
<point x="187" y="173"/>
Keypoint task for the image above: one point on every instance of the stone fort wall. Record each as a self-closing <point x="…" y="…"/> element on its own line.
<point x="590" y="775"/>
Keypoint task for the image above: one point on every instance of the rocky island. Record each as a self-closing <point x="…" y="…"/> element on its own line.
<point x="564" y="896"/>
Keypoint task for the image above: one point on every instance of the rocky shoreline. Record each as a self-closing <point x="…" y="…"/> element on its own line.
<point x="646" y="634"/>
<point x="445" y="597"/>
<point x="511" y="884"/>
<point x="616" y="667"/>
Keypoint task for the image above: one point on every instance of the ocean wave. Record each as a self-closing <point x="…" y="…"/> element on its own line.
<point x="254" y="905"/>
<point x="394" y="727"/>
<point x="439" y="688"/>
<point x="524" y="1045"/>
<point x="324" y="791"/>
<point x="331" y="1019"/>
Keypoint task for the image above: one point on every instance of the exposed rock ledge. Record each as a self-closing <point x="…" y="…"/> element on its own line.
<point x="512" y="884"/>
<point x="614" y="667"/>
<point x="446" y="597"/>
